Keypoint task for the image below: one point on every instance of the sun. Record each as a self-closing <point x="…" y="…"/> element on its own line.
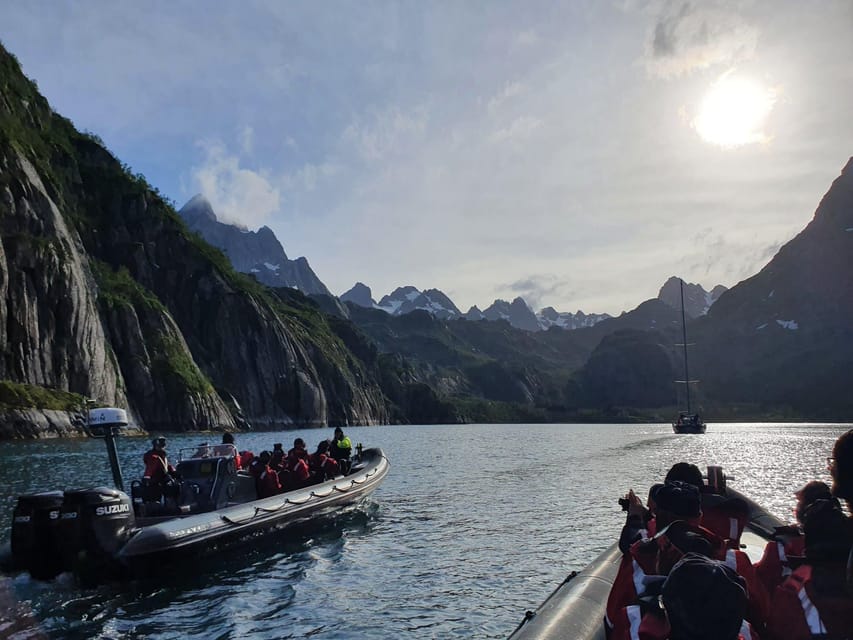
<point x="734" y="111"/>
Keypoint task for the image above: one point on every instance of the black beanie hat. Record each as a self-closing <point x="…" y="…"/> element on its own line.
<point x="679" y="498"/>
<point x="704" y="600"/>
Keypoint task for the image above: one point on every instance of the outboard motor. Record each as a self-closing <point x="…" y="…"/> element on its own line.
<point x="35" y="534"/>
<point x="95" y="525"/>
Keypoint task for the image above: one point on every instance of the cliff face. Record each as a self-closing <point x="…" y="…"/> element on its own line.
<point x="53" y="335"/>
<point x="106" y="294"/>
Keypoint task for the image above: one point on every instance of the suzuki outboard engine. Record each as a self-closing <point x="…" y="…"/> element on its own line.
<point x="35" y="534"/>
<point x="95" y="525"/>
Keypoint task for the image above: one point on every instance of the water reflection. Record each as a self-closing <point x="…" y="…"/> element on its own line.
<point x="474" y="525"/>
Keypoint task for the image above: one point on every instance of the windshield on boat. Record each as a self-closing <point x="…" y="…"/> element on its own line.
<point x="205" y="450"/>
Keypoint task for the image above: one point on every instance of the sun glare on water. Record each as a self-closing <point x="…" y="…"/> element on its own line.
<point x="734" y="111"/>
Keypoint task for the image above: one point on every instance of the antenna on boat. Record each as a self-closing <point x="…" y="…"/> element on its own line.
<point x="684" y="340"/>
<point x="106" y="423"/>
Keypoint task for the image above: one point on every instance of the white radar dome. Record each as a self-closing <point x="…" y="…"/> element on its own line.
<point x="107" y="416"/>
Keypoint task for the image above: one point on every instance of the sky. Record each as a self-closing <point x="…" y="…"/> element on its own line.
<point x="573" y="153"/>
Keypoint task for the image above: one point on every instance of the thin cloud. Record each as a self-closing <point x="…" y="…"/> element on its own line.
<point x="238" y="195"/>
<point x="687" y="37"/>
<point x="386" y="133"/>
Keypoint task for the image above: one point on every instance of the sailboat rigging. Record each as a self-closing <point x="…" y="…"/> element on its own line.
<point x="687" y="421"/>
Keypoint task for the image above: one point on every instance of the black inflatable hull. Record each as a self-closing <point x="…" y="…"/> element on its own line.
<point x="95" y="534"/>
<point x="576" y="608"/>
<point x="186" y="536"/>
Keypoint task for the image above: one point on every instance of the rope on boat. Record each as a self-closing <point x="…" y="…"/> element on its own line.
<point x="529" y="615"/>
<point x="313" y="494"/>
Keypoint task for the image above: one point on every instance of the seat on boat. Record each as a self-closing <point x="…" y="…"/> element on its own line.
<point x="208" y="480"/>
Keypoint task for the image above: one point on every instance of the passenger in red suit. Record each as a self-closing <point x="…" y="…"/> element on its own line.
<point x="300" y="474"/>
<point x="225" y="450"/>
<point x="298" y="452"/>
<point x="277" y="462"/>
<point x="157" y="467"/>
<point x="726" y="518"/>
<point x="641" y="521"/>
<point x="266" y="479"/>
<point x="701" y="599"/>
<point x="321" y="464"/>
<point x="788" y="541"/>
<point x="674" y="501"/>
<point x="815" y="601"/>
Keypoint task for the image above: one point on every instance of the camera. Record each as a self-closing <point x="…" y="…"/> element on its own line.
<point x="624" y="502"/>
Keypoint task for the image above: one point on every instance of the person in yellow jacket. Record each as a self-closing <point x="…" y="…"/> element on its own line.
<point x="340" y="449"/>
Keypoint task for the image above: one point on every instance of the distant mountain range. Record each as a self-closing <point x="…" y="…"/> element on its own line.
<point x="261" y="254"/>
<point x="256" y="252"/>
<point x="517" y="313"/>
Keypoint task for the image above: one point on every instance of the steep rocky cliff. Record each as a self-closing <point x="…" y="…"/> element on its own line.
<point x="106" y="294"/>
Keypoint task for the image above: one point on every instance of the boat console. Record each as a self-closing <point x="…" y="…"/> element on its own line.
<point x="206" y="479"/>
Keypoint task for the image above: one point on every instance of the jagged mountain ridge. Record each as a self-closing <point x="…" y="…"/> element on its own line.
<point x="256" y="252"/>
<point x="697" y="301"/>
<point x="407" y="299"/>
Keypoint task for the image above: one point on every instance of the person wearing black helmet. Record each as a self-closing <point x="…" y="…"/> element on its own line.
<point x="675" y="502"/>
<point x="816" y="600"/>
<point x="704" y="599"/>
<point x="788" y="541"/>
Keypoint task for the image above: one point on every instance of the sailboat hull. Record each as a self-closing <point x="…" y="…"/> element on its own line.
<point x="688" y="428"/>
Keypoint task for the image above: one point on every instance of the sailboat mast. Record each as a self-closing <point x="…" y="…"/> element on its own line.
<point x="684" y="340"/>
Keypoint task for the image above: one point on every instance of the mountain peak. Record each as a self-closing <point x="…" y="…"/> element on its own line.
<point x="697" y="301"/>
<point x="198" y="207"/>
<point x="360" y="294"/>
<point x="255" y="252"/>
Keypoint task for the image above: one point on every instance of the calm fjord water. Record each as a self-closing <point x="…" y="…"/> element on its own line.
<point x="474" y="525"/>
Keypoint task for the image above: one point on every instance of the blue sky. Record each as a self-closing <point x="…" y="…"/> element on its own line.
<point x="565" y="152"/>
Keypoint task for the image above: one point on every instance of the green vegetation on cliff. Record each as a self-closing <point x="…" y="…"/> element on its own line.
<point x="14" y="395"/>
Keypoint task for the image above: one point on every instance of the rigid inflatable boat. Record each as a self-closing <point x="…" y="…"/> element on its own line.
<point x="103" y="532"/>
<point x="576" y="608"/>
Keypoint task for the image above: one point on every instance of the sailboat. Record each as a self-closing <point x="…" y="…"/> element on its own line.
<point x="687" y="421"/>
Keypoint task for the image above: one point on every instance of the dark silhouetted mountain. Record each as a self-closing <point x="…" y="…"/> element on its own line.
<point x="256" y="252"/>
<point x="474" y="314"/>
<point x="697" y="301"/>
<point x="784" y="337"/>
<point x="361" y="295"/>
<point x="629" y="368"/>
<point x="517" y="313"/>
